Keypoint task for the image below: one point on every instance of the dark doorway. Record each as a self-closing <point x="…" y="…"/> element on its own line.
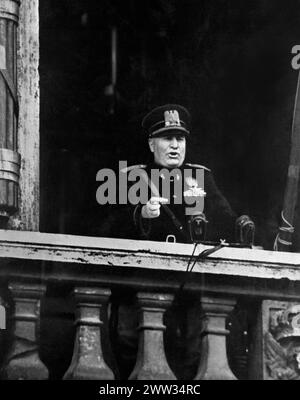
<point x="229" y="63"/>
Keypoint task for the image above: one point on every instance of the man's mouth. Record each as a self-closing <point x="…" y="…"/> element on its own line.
<point x="173" y="154"/>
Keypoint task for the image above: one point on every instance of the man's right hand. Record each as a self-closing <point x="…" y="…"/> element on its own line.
<point x="152" y="208"/>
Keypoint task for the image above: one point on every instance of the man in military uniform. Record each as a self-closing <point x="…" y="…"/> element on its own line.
<point x="208" y="217"/>
<point x="167" y="129"/>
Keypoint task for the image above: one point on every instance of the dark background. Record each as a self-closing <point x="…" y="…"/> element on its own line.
<point x="228" y="62"/>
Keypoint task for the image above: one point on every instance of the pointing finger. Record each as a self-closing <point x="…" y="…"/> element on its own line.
<point x="157" y="200"/>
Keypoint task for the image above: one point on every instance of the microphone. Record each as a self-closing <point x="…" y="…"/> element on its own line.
<point x="197" y="227"/>
<point x="244" y="230"/>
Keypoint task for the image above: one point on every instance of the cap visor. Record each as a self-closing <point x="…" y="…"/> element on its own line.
<point x="175" y="130"/>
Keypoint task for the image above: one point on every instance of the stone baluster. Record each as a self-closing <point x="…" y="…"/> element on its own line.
<point x="22" y="360"/>
<point x="151" y="359"/>
<point x="214" y="363"/>
<point x="88" y="361"/>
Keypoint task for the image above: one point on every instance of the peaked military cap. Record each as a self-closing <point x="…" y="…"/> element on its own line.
<point x="166" y="119"/>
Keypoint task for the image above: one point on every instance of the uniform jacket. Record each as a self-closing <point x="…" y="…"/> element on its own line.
<point x="127" y="222"/>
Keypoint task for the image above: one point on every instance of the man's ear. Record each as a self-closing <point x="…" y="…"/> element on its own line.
<point x="151" y="145"/>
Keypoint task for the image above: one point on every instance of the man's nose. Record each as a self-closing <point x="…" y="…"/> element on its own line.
<point x="174" y="142"/>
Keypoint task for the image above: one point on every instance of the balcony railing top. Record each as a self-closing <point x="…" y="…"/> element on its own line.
<point x="137" y="253"/>
<point x="145" y="263"/>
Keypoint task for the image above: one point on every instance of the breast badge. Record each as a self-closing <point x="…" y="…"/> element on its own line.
<point x="193" y="189"/>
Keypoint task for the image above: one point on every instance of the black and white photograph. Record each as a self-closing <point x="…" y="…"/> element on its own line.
<point x="149" y="193"/>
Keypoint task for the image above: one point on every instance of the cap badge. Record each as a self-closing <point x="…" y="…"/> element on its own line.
<point x="172" y="118"/>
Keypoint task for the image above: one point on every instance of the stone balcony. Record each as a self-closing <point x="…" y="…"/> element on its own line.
<point x="37" y="268"/>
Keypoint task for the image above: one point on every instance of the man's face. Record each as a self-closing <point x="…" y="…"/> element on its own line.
<point x="169" y="150"/>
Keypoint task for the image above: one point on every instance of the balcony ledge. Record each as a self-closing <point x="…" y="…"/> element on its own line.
<point x="112" y="252"/>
